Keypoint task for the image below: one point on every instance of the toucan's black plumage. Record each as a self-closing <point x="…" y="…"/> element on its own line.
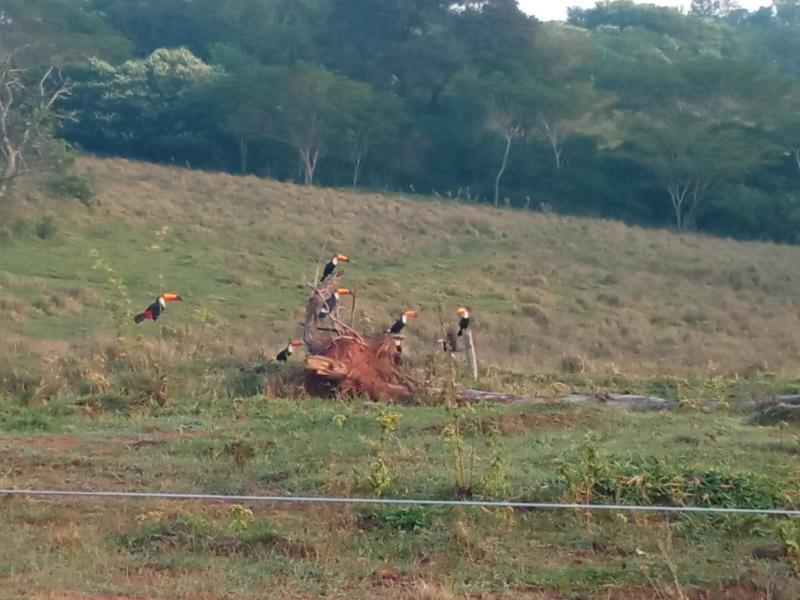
<point x="331" y="302"/>
<point x="463" y="323"/>
<point x="398" y="325"/>
<point x="152" y="312"/>
<point x="401" y="322"/>
<point x="287" y="352"/>
<point x="331" y="266"/>
<point x="330" y="305"/>
<point x="328" y="270"/>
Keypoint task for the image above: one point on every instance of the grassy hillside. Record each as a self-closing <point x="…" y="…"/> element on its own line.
<point x="606" y="296"/>
<point x="557" y="301"/>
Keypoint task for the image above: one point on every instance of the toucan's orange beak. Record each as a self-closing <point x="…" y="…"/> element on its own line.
<point x="410" y="313"/>
<point x="296" y="343"/>
<point x="343" y="292"/>
<point x="342" y="258"/>
<point x="462" y="311"/>
<point x="172" y="298"/>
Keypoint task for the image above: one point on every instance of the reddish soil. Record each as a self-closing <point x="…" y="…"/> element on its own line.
<point x="64" y="441"/>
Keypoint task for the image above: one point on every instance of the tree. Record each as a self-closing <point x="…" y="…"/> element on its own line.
<point x="311" y="106"/>
<point x="242" y="102"/>
<point x="509" y="112"/>
<point x="784" y="123"/>
<point x="690" y="155"/>
<point x="567" y="101"/>
<point x="374" y="119"/>
<point x="29" y="108"/>
<point x="144" y="107"/>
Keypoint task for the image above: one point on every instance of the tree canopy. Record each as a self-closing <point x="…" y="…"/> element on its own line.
<point x="627" y="110"/>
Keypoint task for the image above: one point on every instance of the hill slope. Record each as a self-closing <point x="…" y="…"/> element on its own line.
<point x="541" y="287"/>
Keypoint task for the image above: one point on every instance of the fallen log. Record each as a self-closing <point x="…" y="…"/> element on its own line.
<point x="628" y="401"/>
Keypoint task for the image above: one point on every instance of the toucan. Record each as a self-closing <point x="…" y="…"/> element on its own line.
<point x="154" y="311"/>
<point x="330" y="303"/>
<point x="401" y="322"/>
<point x="463" y="324"/>
<point x="329" y="268"/>
<point x="284" y="354"/>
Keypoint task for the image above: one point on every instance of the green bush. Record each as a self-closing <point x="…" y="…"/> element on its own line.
<point x="405" y="518"/>
<point x="73" y="186"/>
<point x="46" y="229"/>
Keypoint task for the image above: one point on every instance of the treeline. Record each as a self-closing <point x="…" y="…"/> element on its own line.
<point x="627" y="111"/>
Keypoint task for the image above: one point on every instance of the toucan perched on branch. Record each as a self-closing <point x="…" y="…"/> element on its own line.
<point x="154" y="311"/>
<point x="329" y="268"/>
<point x="401" y="322"/>
<point x="330" y="303"/>
<point x="463" y="323"/>
<point x="287" y="352"/>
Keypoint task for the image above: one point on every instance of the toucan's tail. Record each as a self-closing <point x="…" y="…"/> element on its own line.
<point x="460" y="332"/>
<point x="139" y="318"/>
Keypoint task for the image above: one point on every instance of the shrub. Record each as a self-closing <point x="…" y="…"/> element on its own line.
<point x="46" y="228"/>
<point x="73" y="186"/>
<point x="405" y="518"/>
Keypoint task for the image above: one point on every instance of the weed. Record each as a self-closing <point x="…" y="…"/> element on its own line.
<point x="463" y="455"/>
<point x="789" y="534"/>
<point x="118" y="301"/>
<point x="242" y="451"/>
<point x="239" y="518"/>
<point x="379" y="477"/>
<point x="405" y="518"/>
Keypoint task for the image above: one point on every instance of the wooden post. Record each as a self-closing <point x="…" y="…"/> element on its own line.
<point x="471" y="359"/>
<point x="353" y="309"/>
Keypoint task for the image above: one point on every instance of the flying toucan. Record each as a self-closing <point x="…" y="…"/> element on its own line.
<point x="401" y="322"/>
<point x="154" y="311"/>
<point x="329" y="268"/>
<point x="463" y="323"/>
<point x="330" y="303"/>
<point x="287" y="352"/>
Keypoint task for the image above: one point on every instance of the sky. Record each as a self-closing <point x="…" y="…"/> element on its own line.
<point x="549" y="10"/>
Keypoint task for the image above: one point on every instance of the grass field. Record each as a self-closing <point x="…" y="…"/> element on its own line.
<point x="541" y="287"/>
<point x="560" y="305"/>
<point x="158" y="549"/>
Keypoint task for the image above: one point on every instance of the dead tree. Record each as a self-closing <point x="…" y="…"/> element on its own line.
<point x="342" y="361"/>
<point x="26" y="109"/>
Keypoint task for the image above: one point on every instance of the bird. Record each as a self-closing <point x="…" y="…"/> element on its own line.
<point x="329" y="268"/>
<point x="463" y="324"/>
<point x="332" y="301"/>
<point x="287" y="352"/>
<point x="401" y="322"/>
<point x="154" y="311"/>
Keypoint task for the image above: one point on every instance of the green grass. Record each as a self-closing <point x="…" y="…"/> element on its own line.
<point x="322" y="447"/>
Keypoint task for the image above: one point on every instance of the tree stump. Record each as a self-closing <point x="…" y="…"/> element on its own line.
<point x="342" y="361"/>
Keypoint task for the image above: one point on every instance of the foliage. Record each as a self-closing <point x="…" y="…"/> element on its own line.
<point x="622" y="112"/>
<point x="405" y="518"/>
<point x="592" y="476"/>
<point x="75" y="186"/>
<point x="118" y="302"/>
<point x="379" y="477"/>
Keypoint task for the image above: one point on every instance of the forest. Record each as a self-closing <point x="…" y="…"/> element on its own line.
<point x="626" y="111"/>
